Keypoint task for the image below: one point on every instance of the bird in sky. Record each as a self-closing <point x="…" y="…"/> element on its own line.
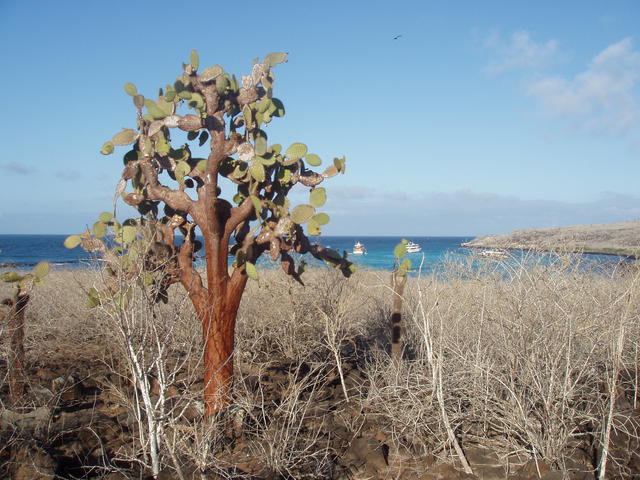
<point x="397" y="37"/>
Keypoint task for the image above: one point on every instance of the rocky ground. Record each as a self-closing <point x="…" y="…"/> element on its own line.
<point x="612" y="238"/>
<point x="77" y="426"/>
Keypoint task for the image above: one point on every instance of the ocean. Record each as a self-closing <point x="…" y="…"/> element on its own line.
<point x="24" y="251"/>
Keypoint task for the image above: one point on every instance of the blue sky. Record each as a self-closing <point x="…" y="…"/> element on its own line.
<point x="483" y="117"/>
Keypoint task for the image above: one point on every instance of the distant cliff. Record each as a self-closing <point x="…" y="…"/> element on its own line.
<point x="611" y="238"/>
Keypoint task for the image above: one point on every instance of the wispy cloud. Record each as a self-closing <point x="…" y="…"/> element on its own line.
<point x="17" y="168"/>
<point x="602" y="98"/>
<point x="520" y="51"/>
<point x="68" y="175"/>
<point x="467" y="212"/>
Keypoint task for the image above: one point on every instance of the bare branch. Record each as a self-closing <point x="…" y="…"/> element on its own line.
<point x="176" y="199"/>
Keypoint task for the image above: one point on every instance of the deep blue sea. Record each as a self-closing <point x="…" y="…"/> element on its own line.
<point x="24" y="251"/>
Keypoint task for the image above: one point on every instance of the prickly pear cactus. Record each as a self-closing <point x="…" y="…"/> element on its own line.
<point x="398" y="282"/>
<point x="22" y="284"/>
<point x="402" y="264"/>
<point x="198" y="158"/>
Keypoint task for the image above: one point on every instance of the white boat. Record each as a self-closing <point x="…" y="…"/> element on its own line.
<point x="412" y="247"/>
<point x="358" y="249"/>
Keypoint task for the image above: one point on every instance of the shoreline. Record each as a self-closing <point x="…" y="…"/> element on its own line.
<point x="585" y="251"/>
<point x="619" y="239"/>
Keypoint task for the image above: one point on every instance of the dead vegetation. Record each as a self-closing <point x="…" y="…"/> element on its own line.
<point x="531" y="370"/>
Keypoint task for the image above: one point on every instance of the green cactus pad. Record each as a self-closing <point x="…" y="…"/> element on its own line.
<point x="182" y="169"/>
<point x="279" y="111"/>
<point x="185" y="95"/>
<point x="99" y="229"/>
<point x="274" y="58"/>
<point x="154" y="110"/>
<point x="126" y="137"/>
<point x="202" y="166"/>
<point x="404" y="267"/>
<point x="340" y="164"/>
<point x="196" y="101"/>
<point x="93" y="298"/>
<point x="260" y="146"/>
<point x="167" y="107"/>
<point x="11" y="277"/>
<point x="170" y="96"/>
<point x="267" y="160"/>
<point x="284" y="175"/>
<point x="162" y="146"/>
<point x="128" y="233"/>
<point x="222" y="82"/>
<point x="276" y="148"/>
<point x="233" y="83"/>
<point x="72" y="241"/>
<point x="130" y="89"/>
<point x="257" y="171"/>
<point x="105" y="217"/>
<point x="252" y="271"/>
<point x="41" y="270"/>
<point x="302" y="214"/>
<point x="238" y="198"/>
<point x="138" y="101"/>
<point x="400" y="250"/>
<point x="264" y="104"/>
<point x="107" y="148"/>
<point x="248" y="115"/>
<point x="321" y="218"/>
<point x="296" y="150"/>
<point x="313" y="160"/>
<point x="313" y="228"/>
<point x="318" y="197"/>
<point x="194" y="60"/>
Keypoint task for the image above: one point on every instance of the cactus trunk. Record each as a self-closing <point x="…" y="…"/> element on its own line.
<point x="397" y="283"/>
<point x="218" y="332"/>
<point x="16" y="362"/>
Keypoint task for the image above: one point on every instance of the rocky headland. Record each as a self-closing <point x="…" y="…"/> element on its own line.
<point x="621" y="238"/>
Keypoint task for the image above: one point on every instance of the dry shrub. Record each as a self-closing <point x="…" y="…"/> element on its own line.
<point x="523" y="357"/>
<point x="528" y="355"/>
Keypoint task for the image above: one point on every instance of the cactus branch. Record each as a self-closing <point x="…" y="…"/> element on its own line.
<point x="176" y="199"/>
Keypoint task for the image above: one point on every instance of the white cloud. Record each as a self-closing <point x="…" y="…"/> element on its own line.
<point x="603" y="98"/>
<point x="519" y="52"/>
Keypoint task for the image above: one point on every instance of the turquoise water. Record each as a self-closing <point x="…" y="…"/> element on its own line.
<point x="27" y="250"/>
<point x="24" y="251"/>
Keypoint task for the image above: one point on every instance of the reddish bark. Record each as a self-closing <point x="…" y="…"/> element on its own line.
<point x="218" y="312"/>
<point x="218" y="360"/>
